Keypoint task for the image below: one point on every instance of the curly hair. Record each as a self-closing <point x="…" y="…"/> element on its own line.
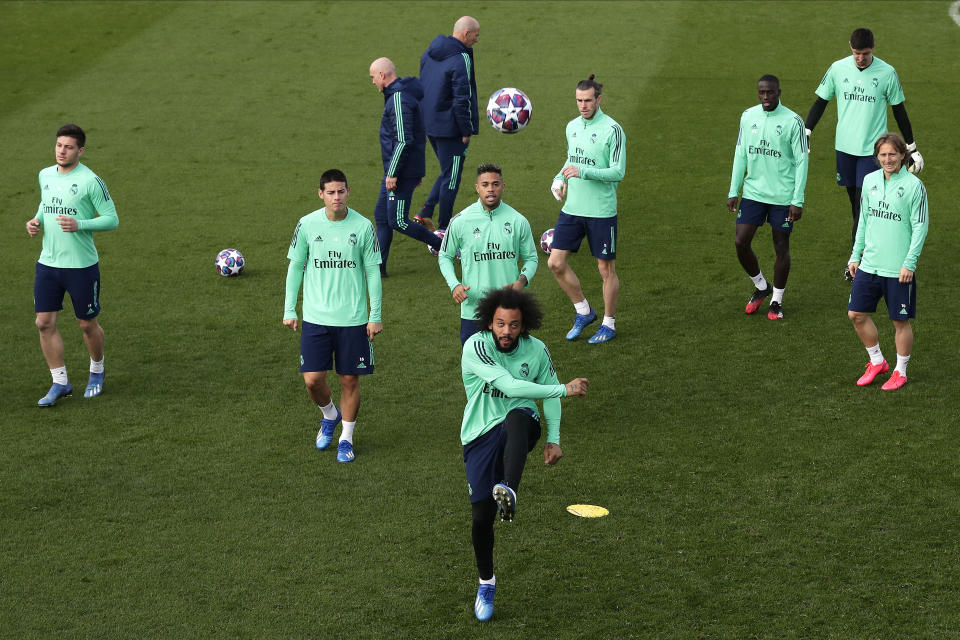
<point x="508" y="298"/>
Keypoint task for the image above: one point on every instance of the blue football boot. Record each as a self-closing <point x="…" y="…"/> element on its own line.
<point x="325" y="435"/>
<point x="579" y="322"/>
<point x="56" y="392"/>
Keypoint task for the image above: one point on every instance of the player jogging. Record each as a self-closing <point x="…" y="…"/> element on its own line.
<point x="894" y="220"/>
<point x="491" y="238"/>
<point x="74" y="203"/>
<point x="334" y="254"/>
<point x="595" y="165"/>
<point x="864" y="85"/>
<point x="772" y="150"/>
<point x="504" y="370"/>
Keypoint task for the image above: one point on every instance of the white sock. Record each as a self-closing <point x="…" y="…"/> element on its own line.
<point x="329" y="411"/>
<point x="59" y="375"/>
<point x="902" y="364"/>
<point x="492" y="580"/>
<point x="582" y="307"/>
<point x="96" y="367"/>
<point x="610" y="321"/>
<point x="347" y="432"/>
<point x="876" y="357"/>
<point x="759" y="281"/>
<point x="777" y="296"/>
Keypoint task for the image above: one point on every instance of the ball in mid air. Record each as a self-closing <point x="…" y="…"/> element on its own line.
<point x="509" y="110"/>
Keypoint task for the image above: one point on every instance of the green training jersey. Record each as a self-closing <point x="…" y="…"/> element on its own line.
<point x="862" y="99"/>
<point x="497" y="383"/>
<point x="490" y="244"/>
<point x="893" y="223"/>
<point x="598" y="148"/>
<point x="82" y="195"/>
<point x="772" y="149"/>
<point x="338" y="263"/>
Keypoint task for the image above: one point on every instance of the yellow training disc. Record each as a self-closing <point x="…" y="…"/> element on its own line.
<point x="587" y="510"/>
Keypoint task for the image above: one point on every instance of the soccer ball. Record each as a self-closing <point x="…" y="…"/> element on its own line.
<point x="546" y="240"/>
<point x="230" y="263"/>
<point x="509" y="110"/>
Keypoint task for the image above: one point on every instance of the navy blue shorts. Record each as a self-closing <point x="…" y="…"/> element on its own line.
<point x="868" y="288"/>
<point x="467" y="329"/>
<point x="483" y="459"/>
<point x="601" y="233"/>
<point x="852" y="169"/>
<point x="756" y="213"/>
<point x="82" y="284"/>
<point x="353" y="349"/>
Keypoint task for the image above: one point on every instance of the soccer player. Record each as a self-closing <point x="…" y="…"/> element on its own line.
<point x="334" y="254"/>
<point x="772" y="149"/>
<point x="402" y="144"/>
<point x="491" y="238"/>
<point x="894" y="220"/>
<point x="74" y="203"/>
<point x="596" y="162"/>
<point x="864" y="85"/>
<point x="450" y="112"/>
<point x="504" y="370"/>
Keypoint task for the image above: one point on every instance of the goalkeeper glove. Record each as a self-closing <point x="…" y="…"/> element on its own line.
<point x="915" y="160"/>
<point x="557" y="189"/>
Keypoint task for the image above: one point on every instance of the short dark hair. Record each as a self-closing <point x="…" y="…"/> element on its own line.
<point x="590" y="83"/>
<point x="489" y="167"/>
<point x="75" y="132"/>
<point x="769" y="78"/>
<point x="509" y="298"/>
<point x="861" y="38"/>
<point x="332" y="175"/>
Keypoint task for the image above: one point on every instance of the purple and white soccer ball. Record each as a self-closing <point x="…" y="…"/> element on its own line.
<point x="509" y="110"/>
<point x="546" y="241"/>
<point x="230" y="263"/>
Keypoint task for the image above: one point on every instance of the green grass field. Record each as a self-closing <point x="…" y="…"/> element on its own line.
<point x="754" y="491"/>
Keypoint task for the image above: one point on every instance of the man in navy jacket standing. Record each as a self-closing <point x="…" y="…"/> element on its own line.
<point x="450" y="112"/>
<point x="402" y="144"/>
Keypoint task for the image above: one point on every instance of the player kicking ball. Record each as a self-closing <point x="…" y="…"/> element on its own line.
<point x="505" y="370"/>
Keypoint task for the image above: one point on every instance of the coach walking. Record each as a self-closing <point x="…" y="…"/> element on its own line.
<point x="450" y="112"/>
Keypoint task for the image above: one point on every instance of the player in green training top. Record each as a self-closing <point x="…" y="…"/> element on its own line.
<point x="335" y="255"/>
<point x="864" y="85"/>
<point x="505" y="370"/>
<point x="894" y="220"/>
<point x="772" y="150"/>
<point x="491" y="238"/>
<point x="595" y="165"/>
<point x="74" y="203"/>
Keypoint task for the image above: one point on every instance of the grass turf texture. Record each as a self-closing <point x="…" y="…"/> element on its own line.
<point x="754" y="491"/>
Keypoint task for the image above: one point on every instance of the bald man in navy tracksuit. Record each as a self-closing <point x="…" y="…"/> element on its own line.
<point x="402" y="144"/>
<point x="450" y="111"/>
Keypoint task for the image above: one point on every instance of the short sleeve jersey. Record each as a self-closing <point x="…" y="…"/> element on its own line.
<point x="82" y="195"/>
<point x="862" y="99"/>
<point x="772" y="148"/>
<point x="894" y="219"/>
<point x="334" y="255"/>
<point x="482" y="363"/>
<point x="597" y="147"/>
<point x="491" y="245"/>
